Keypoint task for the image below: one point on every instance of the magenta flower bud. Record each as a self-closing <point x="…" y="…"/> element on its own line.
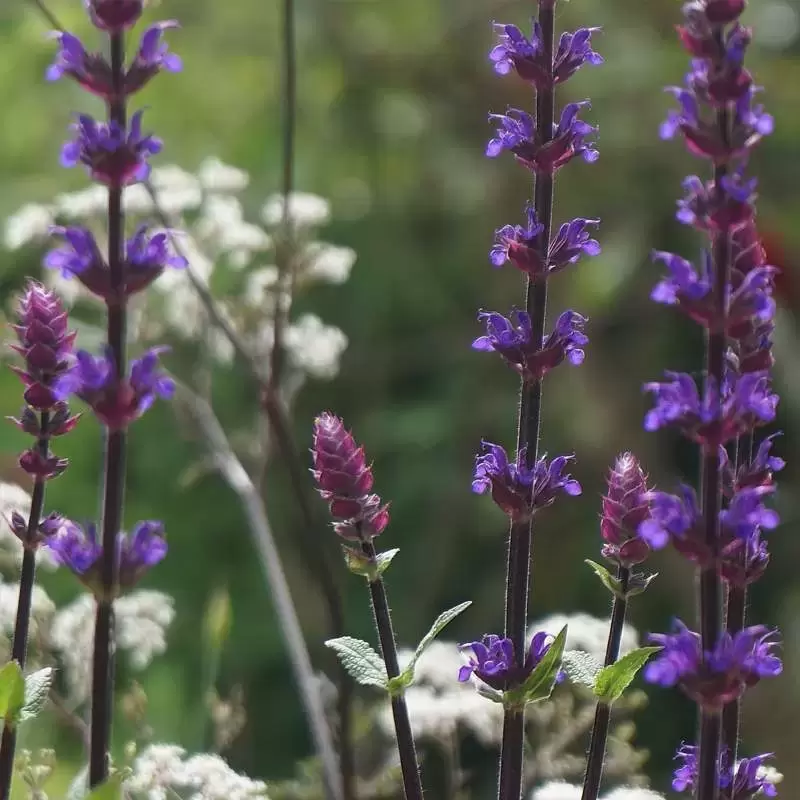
<point x="114" y="16"/>
<point x="723" y="12"/>
<point x="40" y="467"/>
<point x="626" y="506"/>
<point x="345" y="481"/>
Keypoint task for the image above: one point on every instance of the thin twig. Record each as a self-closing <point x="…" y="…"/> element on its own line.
<point x="235" y="475"/>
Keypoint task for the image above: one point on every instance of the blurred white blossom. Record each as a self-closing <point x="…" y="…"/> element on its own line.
<point x="222" y="227"/>
<point x="30" y="223"/>
<point x="142" y="618"/>
<point x="258" y="284"/>
<point x="557" y="790"/>
<point x="42" y="609"/>
<point x="305" y="210"/>
<point x="160" y="770"/>
<point x="632" y="793"/>
<point x="216" y="176"/>
<point x="585" y="632"/>
<point x="314" y="347"/>
<point x="328" y="263"/>
<point x="83" y="204"/>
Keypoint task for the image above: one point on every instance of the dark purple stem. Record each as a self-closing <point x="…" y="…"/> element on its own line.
<point x="710" y="584"/>
<point x="602" y="714"/>
<point x="19" y="647"/>
<point x="412" y="786"/>
<point x="530" y="408"/>
<point x="114" y="470"/>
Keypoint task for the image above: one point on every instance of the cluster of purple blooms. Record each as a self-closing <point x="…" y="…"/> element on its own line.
<point x="115" y="153"/>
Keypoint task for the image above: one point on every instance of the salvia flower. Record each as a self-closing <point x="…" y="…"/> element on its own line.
<point x="758" y="472"/>
<point x="50" y="526"/>
<point x="512" y="339"/>
<point x="514" y="51"/>
<point x="152" y="57"/>
<point x="114" y="16"/>
<point x="345" y="480"/>
<point x="517" y="488"/>
<point x="746" y="514"/>
<point x="493" y="660"/>
<point x="719" y="676"/>
<point x="117" y="403"/>
<point x="90" y="70"/>
<point x="81" y="550"/>
<point x="742" y="561"/>
<point x="626" y="505"/>
<point x="516" y="133"/>
<point x="112" y="156"/>
<point x="709" y="210"/>
<point x="572" y="241"/>
<point x="748" y="778"/>
<point x="672" y="518"/>
<point x="746" y="401"/>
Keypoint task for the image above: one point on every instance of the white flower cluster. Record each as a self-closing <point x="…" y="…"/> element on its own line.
<point x="586" y="633"/>
<point x="14" y="498"/>
<point x="439" y="706"/>
<point x="213" y="231"/>
<point x="142" y="618"/>
<point x="560" y="790"/>
<point x="162" y="769"/>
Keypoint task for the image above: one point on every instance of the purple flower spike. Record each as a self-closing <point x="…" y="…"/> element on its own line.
<point x="717" y="677"/>
<point x="519" y="490"/>
<point x="626" y="505"/>
<point x="516" y="133"/>
<point x="493" y="661"/>
<point x="511" y="339"/>
<point x="152" y="57"/>
<point x="514" y="51"/>
<point x="80" y="550"/>
<point x="90" y="70"/>
<point x="345" y="480"/>
<point x="748" y="778"/>
<point x="745" y="403"/>
<point x="116" y="405"/>
<point x="112" y="156"/>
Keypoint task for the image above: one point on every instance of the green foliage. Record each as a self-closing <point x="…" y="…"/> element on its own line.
<point x="581" y="668"/>
<point x="540" y="683"/>
<point x="362" y="663"/>
<point x="12" y="692"/>
<point x="359" y="564"/>
<point x="613" y="680"/>
<point x="37" y="688"/>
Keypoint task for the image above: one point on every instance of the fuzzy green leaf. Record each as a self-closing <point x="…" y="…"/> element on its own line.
<point x="12" y="692"/>
<point x="362" y="663"/>
<point x="581" y="667"/>
<point x="613" y="680"/>
<point x="37" y="687"/>
<point x="608" y="580"/>
<point x="539" y="684"/>
<point x="370" y="569"/>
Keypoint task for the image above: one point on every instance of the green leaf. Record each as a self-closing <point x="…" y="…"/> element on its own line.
<point x="362" y="663"/>
<point x="37" y="687"/>
<point x="441" y="622"/>
<point x="613" y="680"/>
<point x="581" y="667"/>
<point x="12" y="691"/>
<point x="359" y="564"/>
<point x="109" y="790"/>
<point x="608" y="580"/>
<point x="539" y="684"/>
<point x="639" y="583"/>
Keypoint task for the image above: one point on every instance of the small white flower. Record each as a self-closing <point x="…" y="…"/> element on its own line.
<point x="633" y="793"/>
<point x="42" y="608"/>
<point x="136" y="199"/>
<point x="315" y="347"/>
<point x="223" y="227"/>
<point x="216" y="176"/>
<point x="328" y="263"/>
<point x="258" y="284"/>
<point x="155" y="770"/>
<point x="585" y="632"/>
<point x="305" y="210"/>
<point x="31" y="223"/>
<point x="213" y="779"/>
<point x="176" y="189"/>
<point x="557" y="790"/>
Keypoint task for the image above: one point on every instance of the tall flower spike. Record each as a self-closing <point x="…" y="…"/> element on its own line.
<point x="748" y="778"/>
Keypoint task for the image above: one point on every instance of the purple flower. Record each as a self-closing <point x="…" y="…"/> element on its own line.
<point x="78" y="254"/>
<point x="493" y="661"/>
<point x="626" y="505"/>
<point x="747" y="515"/>
<point x="90" y="70"/>
<point x="147" y="256"/>
<point x="345" y="480"/>
<point x="711" y="211"/>
<point x="742" y="561"/>
<point x="114" y="16"/>
<point x="50" y="526"/>
<point x="152" y="57"/>
<point x="514" y="51"/>
<point x="571" y="242"/>
<point x="116" y="403"/>
<point x="746" y="401"/>
<point x="759" y="472"/>
<point x="672" y="517"/>
<point x="517" y="488"/>
<point x="81" y="550"/>
<point x="512" y="339"/>
<point x="516" y="133"/>
<point x="748" y="779"/>
<point x="719" y="676"/>
<point x="112" y="156"/>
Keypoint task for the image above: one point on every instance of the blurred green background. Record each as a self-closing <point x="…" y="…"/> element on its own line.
<point x="392" y="124"/>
